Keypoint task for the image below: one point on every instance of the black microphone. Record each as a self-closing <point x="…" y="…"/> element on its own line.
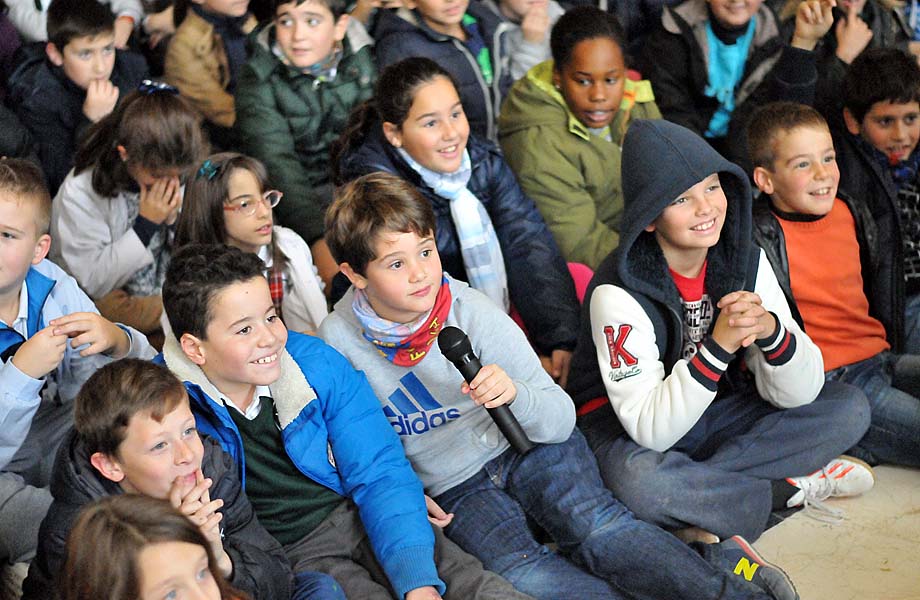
<point x="455" y="346"/>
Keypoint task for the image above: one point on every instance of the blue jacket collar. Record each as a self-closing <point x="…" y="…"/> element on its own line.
<point x="39" y="288"/>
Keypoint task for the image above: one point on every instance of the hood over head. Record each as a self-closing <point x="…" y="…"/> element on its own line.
<point x="661" y="160"/>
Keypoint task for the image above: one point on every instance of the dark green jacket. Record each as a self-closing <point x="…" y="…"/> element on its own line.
<point x="288" y="119"/>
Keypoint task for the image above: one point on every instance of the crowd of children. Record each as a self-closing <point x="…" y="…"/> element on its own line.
<point x="685" y="267"/>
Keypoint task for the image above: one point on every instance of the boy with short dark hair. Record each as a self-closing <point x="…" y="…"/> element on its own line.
<point x="839" y="297"/>
<point x="308" y="69"/>
<point x="704" y="401"/>
<point x="74" y="80"/>
<point x="875" y="136"/>
<point x="134" y="433"/>
<point x="381" y="230"/>
<point x="52" y="339"/>
<point x="321" y="466"/>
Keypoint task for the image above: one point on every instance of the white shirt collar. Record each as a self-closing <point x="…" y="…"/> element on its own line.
<point x="265" y="254"/>
<point x="21" y="323"/>
<point x="255" y="407"/>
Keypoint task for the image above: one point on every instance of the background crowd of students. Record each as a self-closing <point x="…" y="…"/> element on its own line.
<point x="639" y="217"/>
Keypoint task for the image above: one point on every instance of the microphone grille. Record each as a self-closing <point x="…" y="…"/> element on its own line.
<point x="453" y="343"/>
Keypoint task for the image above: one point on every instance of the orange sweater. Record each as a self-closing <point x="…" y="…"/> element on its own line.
<point x="827" y="284"/>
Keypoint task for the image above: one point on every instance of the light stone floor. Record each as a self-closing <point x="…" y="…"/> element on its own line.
<point x="873" y="555"/>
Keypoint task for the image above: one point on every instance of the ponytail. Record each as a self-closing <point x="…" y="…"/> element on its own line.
<point x="362" y="118"/>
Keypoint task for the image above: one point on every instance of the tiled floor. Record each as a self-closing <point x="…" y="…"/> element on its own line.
<point x="872" y="555"/>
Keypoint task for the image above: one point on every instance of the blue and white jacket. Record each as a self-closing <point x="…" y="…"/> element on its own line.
<point x="335" y="433"/>
<point x="52" y="293"/>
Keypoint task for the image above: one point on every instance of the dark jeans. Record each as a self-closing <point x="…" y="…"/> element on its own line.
<point x="604" y="551"/>
<point x="718" y="476"/>
<point x="912" y="325"/>
<point x="894" y="434"/>
<point x="340" y="548"/>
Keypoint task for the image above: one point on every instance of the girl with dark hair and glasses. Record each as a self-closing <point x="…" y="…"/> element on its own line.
<point x="228" y="201"/>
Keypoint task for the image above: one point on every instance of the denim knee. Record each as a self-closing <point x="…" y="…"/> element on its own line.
<point x="850" y="409"/>
<point x="312" y="585"/>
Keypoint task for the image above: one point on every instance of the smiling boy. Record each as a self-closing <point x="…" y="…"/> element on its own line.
<point x="685" y="435"/>
<point x="135" y="434"/>
<point x="841" y="297"/>
<point x="74" y="83"/>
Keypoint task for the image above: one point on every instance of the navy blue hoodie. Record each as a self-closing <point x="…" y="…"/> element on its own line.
<point x="661" y="160"/>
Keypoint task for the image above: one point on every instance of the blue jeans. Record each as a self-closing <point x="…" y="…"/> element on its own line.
<point x="312" y="585"/>
<point x="912" y="325"/>
<point x="894" y="434"/>
<point x="718" y="476"/>
<point x="604" y="551"/>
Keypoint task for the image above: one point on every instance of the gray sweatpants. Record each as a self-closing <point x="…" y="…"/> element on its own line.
<point x="24" y="494"/>
<point x="339" y="547"/>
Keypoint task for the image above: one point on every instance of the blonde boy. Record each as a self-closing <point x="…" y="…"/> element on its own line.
<point x="52" y="339"/>
<point x="839" y="294"/>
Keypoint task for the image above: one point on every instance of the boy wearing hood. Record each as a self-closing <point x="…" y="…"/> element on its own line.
<point x="703" y="400"/>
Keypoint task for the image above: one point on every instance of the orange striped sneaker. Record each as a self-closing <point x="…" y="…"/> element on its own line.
<point x="844" y="476"/>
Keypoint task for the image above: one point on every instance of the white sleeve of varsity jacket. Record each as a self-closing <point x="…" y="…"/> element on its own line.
<point x="655" y="410"/>
<point x="788" y="367"/>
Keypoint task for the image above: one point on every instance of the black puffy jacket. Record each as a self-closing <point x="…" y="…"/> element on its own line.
<point x="260" y="567"/>
<point x="538" y="280"/>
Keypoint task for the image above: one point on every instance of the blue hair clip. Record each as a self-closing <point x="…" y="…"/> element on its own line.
<point x="208" y="169"/>
<point x="149" y="86"/>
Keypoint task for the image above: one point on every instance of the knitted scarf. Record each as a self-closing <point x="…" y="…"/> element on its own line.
<point x="479" y="246"/>
<point x="403" y="344"/>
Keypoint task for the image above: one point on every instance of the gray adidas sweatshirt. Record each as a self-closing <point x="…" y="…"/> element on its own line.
<point x="447" y="438"/>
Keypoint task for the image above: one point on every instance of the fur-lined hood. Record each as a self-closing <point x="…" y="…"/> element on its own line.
<point x="291" y="392"/>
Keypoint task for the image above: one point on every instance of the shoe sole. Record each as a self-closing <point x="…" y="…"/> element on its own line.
<point x="750" y="551"/>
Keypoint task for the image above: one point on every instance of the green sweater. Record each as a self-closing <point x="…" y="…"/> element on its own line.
<point x="572" y="175"/>
<point x="289" y="504"/>
<point x="288" y="119"/>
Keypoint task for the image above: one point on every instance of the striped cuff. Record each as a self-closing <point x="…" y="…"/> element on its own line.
<point x="779" y="347"/>
<point x="708" y="364"/>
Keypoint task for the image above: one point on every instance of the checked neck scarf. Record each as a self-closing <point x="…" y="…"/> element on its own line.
<point x="403" y="344"/>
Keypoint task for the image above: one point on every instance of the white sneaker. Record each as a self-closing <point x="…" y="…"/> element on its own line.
<point x="842" y="477"/>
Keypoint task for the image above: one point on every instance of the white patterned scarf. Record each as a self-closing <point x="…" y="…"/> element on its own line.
<point x="482" y="254"/>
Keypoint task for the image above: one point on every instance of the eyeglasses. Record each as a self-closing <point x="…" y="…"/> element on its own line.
<point x="149" y="86"/>
<point x="247" y="207"/>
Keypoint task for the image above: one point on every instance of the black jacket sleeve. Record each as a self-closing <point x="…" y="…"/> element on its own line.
<point x="668" y="62"/>
<point x="792" y="79"/>
<point x="260" y="567"/>
<point x="41" y="582"/>
<point x="15" y="141"/>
